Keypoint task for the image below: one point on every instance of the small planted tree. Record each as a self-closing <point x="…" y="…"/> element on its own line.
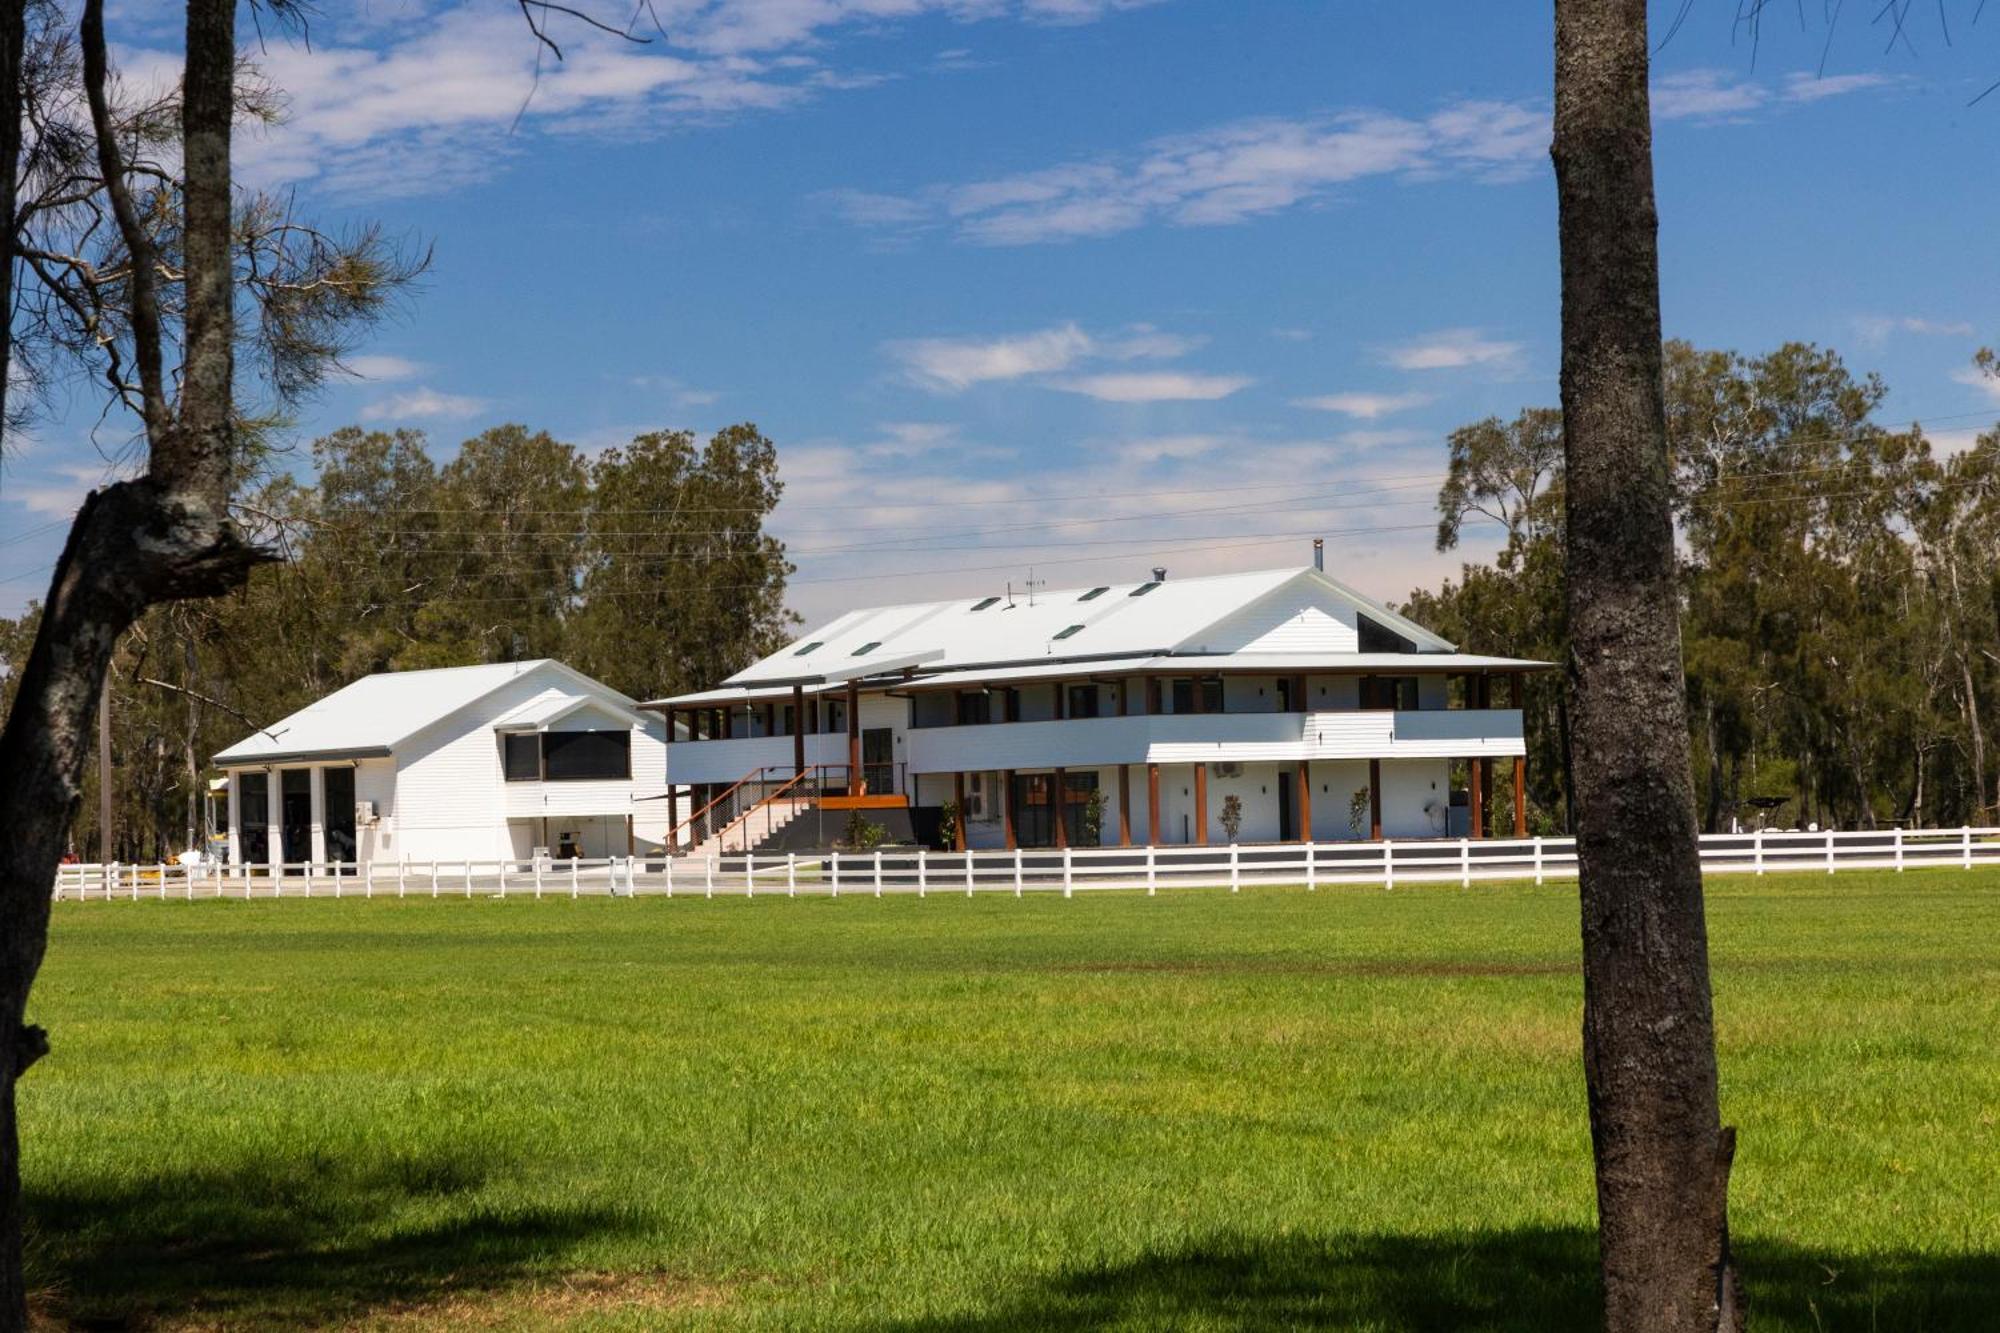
<point x="1359" y="806"/>
<point x="1231" y="817"/>
<point x="948" y="825"/>
<point x="1090" y="820"/>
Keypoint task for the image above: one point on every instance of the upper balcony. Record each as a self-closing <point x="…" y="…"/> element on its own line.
<point x="1193" y="738"/>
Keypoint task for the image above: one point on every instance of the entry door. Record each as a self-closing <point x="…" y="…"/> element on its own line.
<point x="878" y="759"/>
<point x="1288" y="826"/>
<point x="295" y="813"/>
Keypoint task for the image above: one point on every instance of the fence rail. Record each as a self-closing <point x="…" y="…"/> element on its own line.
<point x="1067" y="871"/>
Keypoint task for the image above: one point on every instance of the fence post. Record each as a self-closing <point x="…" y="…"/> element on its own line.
<point x="710" y="865"/>
<point x="1757" y="843"/>
<point x="538" y="879"/>
<point x="468" y="877"/>
<point x="1388" y="864"/>
<point x="749" y="874"/>
<point x="163" y="881"/>
<point x="791" y="874"/>
<point x="1965" y="840"/>
<point x="1017" y="872"/>
<point x="920" y="872"/>
<point x="1465" y="863"/>
<point x="1067" y="885"/>
<point x="434" y="877"/>
<point x="833" y="861"/>
<point x="1152" y="870"/>
<point x="575" y="873"/>
<point x="967" y="854"/>
<point x="503" y="881"/>
<point x="878" y="872"/>
<point x="670" y="872"/>
<point x="1899" y="849"/>
<point x="1235" y="871"/>
<point x="1538" y="861"/>
<point x="1829" y="851"/>
<point x="1312" y="867"/>
<point x="190" y="883"/>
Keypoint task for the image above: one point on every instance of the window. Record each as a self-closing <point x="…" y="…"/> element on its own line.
<point x="339" y="797"/>
<point x="816" y="643"/>
<point x="1073" y="629"/>
<point x="1093" y="594"/>
<point x="253" y="817"/>
<point x="975" y="708"/>
<point x="983" y="603"/>
<point x="581" y="755"/>
<point x="521" y="756"/>
<point x="1379" y="638"/>
<point x="1211" y="695"/>
<point x="1083" y="701"/>
<point x="1389" y="692"/>
<point x="1143" y="589"/>
<point x="867" y="647"/>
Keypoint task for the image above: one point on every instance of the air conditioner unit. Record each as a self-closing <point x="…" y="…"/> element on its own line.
<point x="364" y="812"/>
<point x="975" y="796"/>
<point x="1231" y="769"/>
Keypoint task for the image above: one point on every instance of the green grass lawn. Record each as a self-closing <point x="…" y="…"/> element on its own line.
<point x="1351" y="1109"/>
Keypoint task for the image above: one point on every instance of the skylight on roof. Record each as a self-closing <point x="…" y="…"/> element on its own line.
<point x="1143" y="589"/>
<point x="983" y="603"/>
<point x="816" y="643"/>
<point x="1093" y="593"/>
<point x="868" y="647"/>
<point x="1064" y="634"/>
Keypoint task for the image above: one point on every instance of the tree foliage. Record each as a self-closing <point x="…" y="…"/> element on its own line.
<point x="1840" y="585"/>
<point x="648" y="567"/>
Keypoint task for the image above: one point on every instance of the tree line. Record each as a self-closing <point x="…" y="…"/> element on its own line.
<point x="647" y="566"/>
<point x="1839" y="593"/>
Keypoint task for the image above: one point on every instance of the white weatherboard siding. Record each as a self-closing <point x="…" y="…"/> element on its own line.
<point x="1294" y="619"/>
<point x="451" y="778"/>
<point x="727" y="762"/>
<point x="375" y="780"/>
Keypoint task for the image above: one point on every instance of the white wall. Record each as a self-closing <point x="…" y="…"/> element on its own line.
<point x="1299" y="617"/>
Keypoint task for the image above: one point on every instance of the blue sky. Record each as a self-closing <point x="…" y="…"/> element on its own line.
<point x="1082" y="285"/>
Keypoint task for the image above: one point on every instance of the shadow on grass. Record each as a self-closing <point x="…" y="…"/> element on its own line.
<point x="310" y="1240"/>
<point x="1533" y="1281"/>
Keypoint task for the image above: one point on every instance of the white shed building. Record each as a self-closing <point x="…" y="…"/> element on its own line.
<point x="480" y="763"/>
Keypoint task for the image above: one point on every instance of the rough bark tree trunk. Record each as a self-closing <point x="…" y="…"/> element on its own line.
<point x="162" y="537"/>
<point x="13" y="38"/>
<point x="1649" y="1043"/>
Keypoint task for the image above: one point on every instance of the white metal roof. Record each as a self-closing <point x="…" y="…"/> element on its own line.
<point x="1209" y="663"/>
<point x="374" y="714"/>
<point x="552" y="706"/>
<point x="1110" y="620"/>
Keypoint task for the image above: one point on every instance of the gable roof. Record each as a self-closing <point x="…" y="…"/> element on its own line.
<point x="376" y="713"/>
<point x="1068" y="624"/>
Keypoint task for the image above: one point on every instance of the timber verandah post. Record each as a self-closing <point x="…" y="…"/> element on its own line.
<point x="798" y="730"/>
<point x="856" y="784"/>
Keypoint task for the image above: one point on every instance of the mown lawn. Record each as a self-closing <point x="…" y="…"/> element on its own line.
<point x="1351" y="1109"/>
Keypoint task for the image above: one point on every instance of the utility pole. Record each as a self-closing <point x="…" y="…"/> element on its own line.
<point x="104" y="772"/>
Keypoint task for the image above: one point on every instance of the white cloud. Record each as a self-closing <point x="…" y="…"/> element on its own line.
<point x="1162" y="386"/>
<point x="951" y="365"/>
<point x="1874" y="330"/>
<point x="1384" y="439"/>
<point x="424" y="403"/>
<point x="1452" y="349"/>
<point x="1980" y="380"/>
<point x="1720" y="95"/>
<point x="382" y="368"/>
<point x="421" y="101"/>
<point x="1949" y="443"/>
<point x="1366" y="406"/>
<point x="1220" y="176"/>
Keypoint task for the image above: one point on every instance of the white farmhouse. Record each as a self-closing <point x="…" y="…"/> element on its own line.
<point x="480" y="763"/>
<point x="1270" y="706"/>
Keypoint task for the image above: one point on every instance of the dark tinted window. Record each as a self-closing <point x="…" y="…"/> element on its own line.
<point x="339" y="813"/>
<point x="575" y="755"/>
<point x="975" y="708"/>
<point x="1378" y="638"/>
<point x="522" y="756"/>
<point x="1083" y="701"/>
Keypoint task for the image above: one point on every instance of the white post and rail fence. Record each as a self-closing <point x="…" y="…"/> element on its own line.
<point x="1228" y="867"/>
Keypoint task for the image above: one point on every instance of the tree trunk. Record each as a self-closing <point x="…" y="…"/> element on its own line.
<point x="13" y="38"/>
<point x="162" y="537"/>
<point x="1662" y="1155"/>
<point x="1971" y="708"/>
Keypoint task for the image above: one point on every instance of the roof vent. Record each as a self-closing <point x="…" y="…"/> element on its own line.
<point x="1071" y="630"/>
<point x="983" y="603"/>
<point x="1159" y="573"/>
<point x="868" y="647"/>
<point x="808" y="648"/>
<point x="1093" y="594"/>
